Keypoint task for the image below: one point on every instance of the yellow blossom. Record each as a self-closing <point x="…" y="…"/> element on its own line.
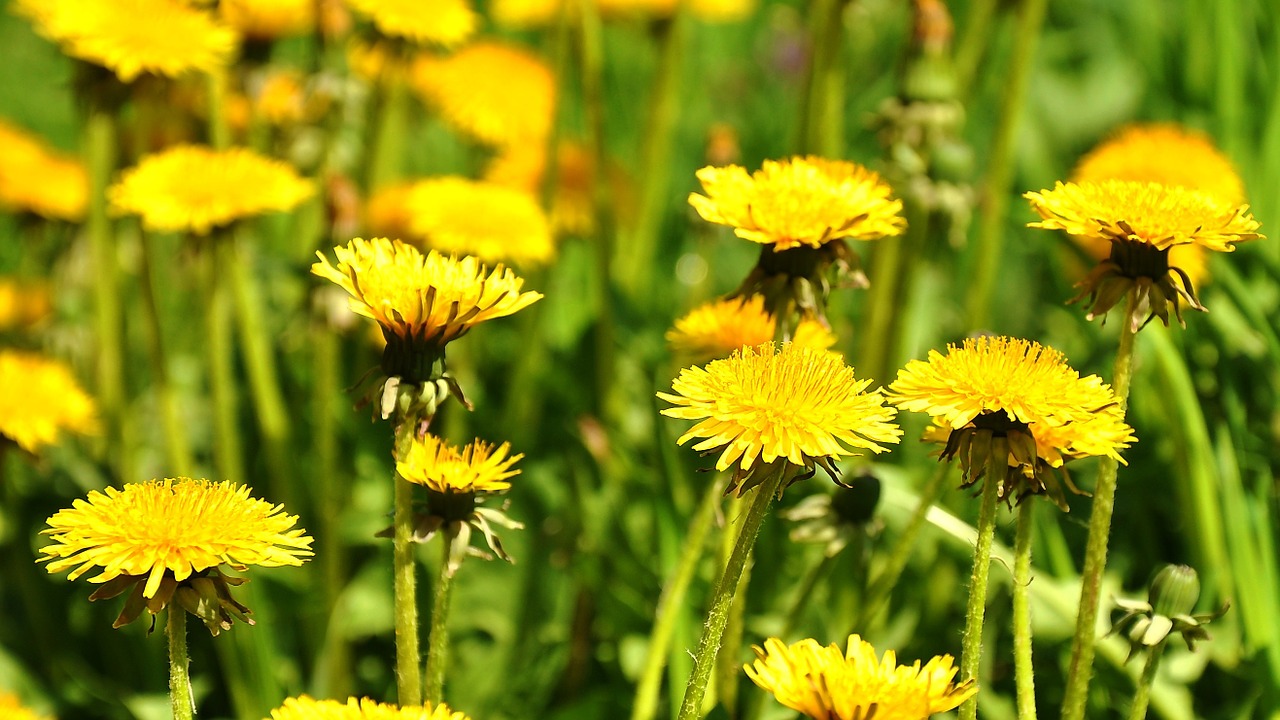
<point x="479" y="467"/>
<point x="466" y="217"/>
<point x="306" y="708"/>
<point x="716" y="329"/>
<point x="269" y="19"/>
<point x="440" y="22"/>
<point x="40" y="399"/>
<point x="572" y="199"/>
<point x="11" y="708"/>
<point x="36" y="179"/>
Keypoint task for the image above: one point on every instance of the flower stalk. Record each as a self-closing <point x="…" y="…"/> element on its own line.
<point x="1024" y="672"/>
<point x="177" y="449"/>
<point x="408" y="656"/>
<point x="975" y="610"/>
<point x="1142" y="695"/>
<point x="180" y="698"/>
<point x="438" y="641"/>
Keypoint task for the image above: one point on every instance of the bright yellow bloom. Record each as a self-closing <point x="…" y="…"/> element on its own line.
<point x="269" y="19"/>
<point x="479" y="467"/>
<point x="1148" y="213"/>
<point x="173" y="528"/>
<point x="800" y="201"/>
<point x="572" y="200"/>
<point x="465" y="217"/>
<point x="440" y="22"/>
<point x="765" y="404"/>
<point x="716" y="329"/>
<point x="498" y="93"/>
<point x="305" y="708"/>
<point x="527" y="13"/>
<point x="12" y="709"/>
<point x="195" y="188"/>
<point x="34" y="178"/>
<point x="23" y="303"/>
<point x="826" y="684"/>
<point x="430" y="298"/>
<point x="132" y="37"/>
<point x="386" y="213"/>
<point x="40" y="398"/>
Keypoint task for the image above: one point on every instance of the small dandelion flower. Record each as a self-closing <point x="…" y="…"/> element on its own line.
<point x="497" y="93"/>
<point x="36" y="179"/>
<point x="165" y="540"/>
<point x="195" y="189"/>
<point x="446" y="23"/>
<point x="1142" y="221"/>
<point x="466" y="217"/>
<point x="306" y="708"/>
<point x="133" y="37"/>
<point x="827" y="684"/>
<point x="39" y="400"/>
<point x="572" y="202"/>
<point x="11" y="708"/>
<point x="1000" y="401"/>
<point x="716" y="329"/>
<point x="765" y="405"/>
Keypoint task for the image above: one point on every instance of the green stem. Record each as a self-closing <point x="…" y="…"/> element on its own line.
<point x="1142" y="694"/>
<point x="824" y="111"/>
<point x="805" y="592"/>
<point x="388" y="142"/>
<point x="973" y="42"/>
<point x="438" y="642"/>
<point x="180" y="698"/>
<point x="178" y="451"/>
<point x="408" y="657"/>
<point x="222" y="382"/>
<point x="1023" y="669"/>
<point x="994" y="199"/>
<point x="887" y="579"/>
<point x="335" y="677"/>
<point x="671" y="604"/>
<point x="219" y="132"/>
<point x="718" y="614"/>
<point x="975" y="611"/>
<point x="1095" y="554"/>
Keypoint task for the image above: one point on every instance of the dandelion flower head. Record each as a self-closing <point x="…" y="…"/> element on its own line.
<point x="802" y="201"/>
<point x="490" y="221"/>
<point x="827" y="684"/>
<point x="572" y="199"/>
<point x="39" y="400"/>
<point x="478" y="467"/>
<point x="306" y="708"/>
<point x="716" y="329"/>
<point x="37" y="179"/>
<point x="446" y="23"/>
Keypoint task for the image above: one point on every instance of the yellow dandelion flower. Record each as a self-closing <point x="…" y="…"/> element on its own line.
<point x="572" y="201"/>
<point x="716" y="329"/>
<point x="11" y="708"/>
<point x="440" y="22"/>
<point x="23" y="303"/>
<point x="306" y="708"/>
<point x="197" y="188"/>
<point x="532" y="13"/>
<point x="498" y="93"/>
<point x="133" y="37"/>
<point x="492" y="222"/>
<point x="166" y="538"/>
<point x="386" y="213"/>
<point x="827" y="684"/>
<point x="797" y="202"/>
<point x="479" y="467"/>
<point x="39" y="399"/>
<point x="36" y="179"/>
<point x="766" y="404"/>
<point x="269" y="19"/>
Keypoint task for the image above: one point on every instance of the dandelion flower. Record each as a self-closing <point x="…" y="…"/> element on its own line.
<point x="165" y="540"/>
<point x="386" y="213"/>
<point x="12" y="709"/>
<point x="36" y="179"/>
<point x="39" y="400"/>
<point x="572" y="202"/>
<point x="492" y="222"/>
<point x="497" y="93"/>
<point x="133" y="37"/>
<point x="306" y="708"/>
<point x="1015" y="402"/>
<point x="439" y="22"/>
<point x="764" y="404"/>
<point x="196" y="189"/>
<point x="531" y="13"/>
<point x="802" y="201"/>
<point x="269" y="19"/>
<point x="827" y="684"/>
<point x="716" y="329"/>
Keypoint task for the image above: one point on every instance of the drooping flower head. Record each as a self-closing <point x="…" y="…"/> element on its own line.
<point x="306" y="708"/>
<point x="458" y="482"/>
<point x="763" y="406"/>
<point x="39" y="400"/>
<point x="36" y="179"/>
<point x="195" y="189"/>
<point x="826" y="684"/>
<point x="1142" y="221"/>
<point x="497" y="93"/>
<point x="446" y="23"/>
<point x="466" y="217"/>
<point x="716" y="329"/>
<point x="1001" y="402"/>
<point x="133" y="37"/>
<point x="165" y="540"/>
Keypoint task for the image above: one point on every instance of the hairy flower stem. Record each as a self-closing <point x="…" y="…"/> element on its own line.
<point x="438" y="642"/>
<point x="408" y="657"/>
<point x="671" y="603"/>
<point x="180" y="697"/>
<point x="177" y="449"/>
<point x="975" y="611"/>
<point x="1024" y="672"/>
<point x="1142" y="694"/>
<point x="718" y="614"/>
<point x="1095" y="553"/>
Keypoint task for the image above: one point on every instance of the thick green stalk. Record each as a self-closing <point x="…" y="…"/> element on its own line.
<point x="180" y="698"/>
<point x="177" y="449"/>
<point x="334" y="674"/>
<point x="438" y="642"/>
<point x="1142" y="694"/>
<point x="227" y="450"/>
<point x="408" y="657"/>
<point x="1024" y="672"/>
<point x="1095" y="554"/>
<point x="671" y="604"/>
<point x="994" y="198"/>
<point x="823" y="126"/>
<point x="975" y="610"/>
<point x="216" y="87"/>
<point x="718" y="614"/>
